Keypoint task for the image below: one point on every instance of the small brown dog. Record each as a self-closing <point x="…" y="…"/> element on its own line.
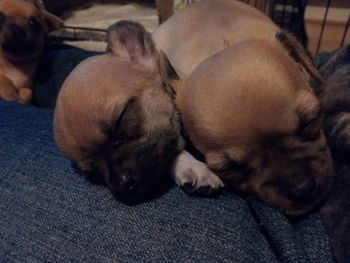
<point x="115" y="115"/>
<point x="23" y="29"/>
<point x="247" y="105"/>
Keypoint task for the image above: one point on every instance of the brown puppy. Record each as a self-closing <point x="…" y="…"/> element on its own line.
<point x="247" y="105"/>
<point x="115" y="115"/>
<point x="23" y="29"/>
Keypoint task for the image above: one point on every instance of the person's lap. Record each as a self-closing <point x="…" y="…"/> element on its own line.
<point x="51" y="213"/>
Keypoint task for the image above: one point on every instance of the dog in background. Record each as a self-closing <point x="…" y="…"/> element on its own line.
<point x="247" y="106"/>
<point x="23" y="29"/>
<point x="115" y="115"/>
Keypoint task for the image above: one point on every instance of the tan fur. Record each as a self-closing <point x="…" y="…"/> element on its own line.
<point x="107" y="85"/>
<point x="238" y="94"/>
<point x="196" y="33"/>
<point x="246" y="103"/>
<point x="17" y="71"/>
<point x="115" y="116"/>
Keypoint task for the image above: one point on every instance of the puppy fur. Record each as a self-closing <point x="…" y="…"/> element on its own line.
<point x="115" y="116"/>
<point x="335" y="98"/>
<point x="247" y="105"/>
<point x="334" y="95"/>
<point x="23" y="29"/>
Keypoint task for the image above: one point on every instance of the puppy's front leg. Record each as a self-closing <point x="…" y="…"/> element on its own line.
<point x="194" y="175"/>
<point x="25" y="96"/>
<point x="8" y="90"/>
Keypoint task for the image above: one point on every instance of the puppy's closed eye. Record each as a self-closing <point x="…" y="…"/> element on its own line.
<point x="232" y="165"/>
<point x="234" y="172"/>
<point x="310" y="126"/>
<point x="126" y="124"/>
<point x="310" y="116"/>
<point x="311" y="129"/>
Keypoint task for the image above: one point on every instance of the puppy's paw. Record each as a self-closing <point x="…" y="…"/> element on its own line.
<point x="7" y="90"/>
<point x="198" y="179"/>
<point x="25" y="96"/>
<point x="194" y="176"/>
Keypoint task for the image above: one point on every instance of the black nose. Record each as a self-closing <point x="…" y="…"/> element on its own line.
<point x="127" y="186"/>
<point x="17" y="32"/>
<point x="302" y="191"/>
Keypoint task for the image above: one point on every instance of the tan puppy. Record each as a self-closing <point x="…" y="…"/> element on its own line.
<point x="23" y="29"/>
<point x="115" y="116"/>
<point x="247" y="105"/>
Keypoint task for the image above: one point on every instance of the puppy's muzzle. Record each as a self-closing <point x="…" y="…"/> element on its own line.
<point x="128" y="186"/>
<point x="299" y="185"/>
<point x="133" y="188"/>
<point x="303" y="192"/>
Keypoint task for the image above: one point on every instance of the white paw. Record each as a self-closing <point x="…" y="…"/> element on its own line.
<point x="195" y="176"/>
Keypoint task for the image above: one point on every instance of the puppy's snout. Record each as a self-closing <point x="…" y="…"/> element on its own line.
<point x="127" y="184"/>
<point x="303" y="191"/>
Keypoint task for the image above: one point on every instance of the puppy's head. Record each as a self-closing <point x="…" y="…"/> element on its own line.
<point x="250" y="110"/>
<point x="115" y="116"/>
<point x="23" y="29"/>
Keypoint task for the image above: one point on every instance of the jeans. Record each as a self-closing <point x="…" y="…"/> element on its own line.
<point x="50" y="213"/>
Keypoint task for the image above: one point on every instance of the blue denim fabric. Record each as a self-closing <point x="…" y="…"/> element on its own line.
<point x="49" y="213"/>
<point x="53" y="70"/>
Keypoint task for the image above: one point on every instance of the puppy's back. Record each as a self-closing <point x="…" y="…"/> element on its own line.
<point x="205" y="28"/>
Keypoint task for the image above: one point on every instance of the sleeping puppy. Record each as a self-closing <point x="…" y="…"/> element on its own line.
<point x="247" y="105"/>
<point x="115" y="115"/>
<point x="23" y="29"/>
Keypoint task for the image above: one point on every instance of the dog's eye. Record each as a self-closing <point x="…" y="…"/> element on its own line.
<point x="2" y="18"/>
<point x="34" y="25"/>
<point x="311" y="130"/>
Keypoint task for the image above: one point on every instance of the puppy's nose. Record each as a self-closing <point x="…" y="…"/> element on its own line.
<point x="303" y="191"/>
<point x="17" y="32"/>
<point x="127" y="184"/>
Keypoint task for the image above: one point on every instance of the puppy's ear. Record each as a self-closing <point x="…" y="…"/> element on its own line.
<point x="52" y="22"/>
<point x="167" y="73"/>
<point x="130" y="40"/>
<point x="298" y="53"/>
